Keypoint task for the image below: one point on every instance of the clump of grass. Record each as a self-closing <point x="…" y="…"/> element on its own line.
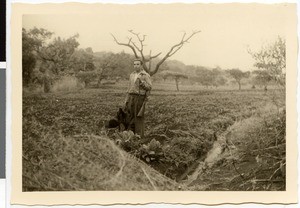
<point x="32" y="89"/>
<point x="222" y="122"/>
<point x="183" y="152"/>
<point x="53" y="162"/>
<point x="260" y="142"/>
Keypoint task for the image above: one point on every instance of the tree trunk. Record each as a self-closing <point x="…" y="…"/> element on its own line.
<point x="239" y="85"/>
<point x="47" y="84"/>
<point x="86" y="83"/>
<point x="99" y="80"/>
<point x="176" y="81"/>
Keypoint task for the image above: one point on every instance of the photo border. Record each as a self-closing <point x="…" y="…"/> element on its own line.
<point x="143" y="197"/>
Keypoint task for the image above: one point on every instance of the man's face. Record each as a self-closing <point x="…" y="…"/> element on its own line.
<point x="137" y="65"/>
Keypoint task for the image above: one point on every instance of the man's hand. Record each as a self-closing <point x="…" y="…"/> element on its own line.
<point x="142" y="84"/>
<point x="125" y="104"/>
<point x="145" y="83"/>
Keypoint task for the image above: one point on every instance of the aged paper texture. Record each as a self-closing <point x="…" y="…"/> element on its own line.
<point x="68" y="10"/>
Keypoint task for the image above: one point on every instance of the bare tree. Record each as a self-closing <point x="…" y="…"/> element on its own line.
<point x="138" y="49"/>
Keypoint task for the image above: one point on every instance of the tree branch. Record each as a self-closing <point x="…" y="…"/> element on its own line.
<point x="174" y="49"/>
<point x="134" y="47"/>
<point x="150" y="61"/>
<point x="155" y="56"/>
<point x="141" y="40"/>
<point x="151" y="57"/>
<point x="126" y="44"/>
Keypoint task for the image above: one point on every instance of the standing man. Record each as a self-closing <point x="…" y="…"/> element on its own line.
<point x="137" y="93"/>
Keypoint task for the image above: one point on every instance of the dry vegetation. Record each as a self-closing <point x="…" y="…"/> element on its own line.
<point x="195" y="140"/>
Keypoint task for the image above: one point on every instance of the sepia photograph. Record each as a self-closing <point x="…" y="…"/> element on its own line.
<point x="156" y="97"/>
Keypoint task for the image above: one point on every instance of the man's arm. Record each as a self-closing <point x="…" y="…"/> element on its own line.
<point x="145" y="82"/>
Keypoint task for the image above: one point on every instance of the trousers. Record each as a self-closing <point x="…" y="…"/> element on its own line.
<point x="133" y="106"/>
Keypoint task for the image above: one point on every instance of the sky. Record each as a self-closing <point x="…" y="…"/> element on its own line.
<point x="227" y="31"/>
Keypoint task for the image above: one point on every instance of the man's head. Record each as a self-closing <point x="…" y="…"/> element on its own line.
<point x="137" y="64"/>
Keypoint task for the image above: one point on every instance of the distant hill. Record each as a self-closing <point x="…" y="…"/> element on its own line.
<point x="190" y="70"/>
<point x="102" y="53"/>
<point x="176" y="65"/>
<point x="169" y="64"/>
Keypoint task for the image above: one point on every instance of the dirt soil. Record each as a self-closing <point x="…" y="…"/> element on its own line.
<point x="185" y="124"/>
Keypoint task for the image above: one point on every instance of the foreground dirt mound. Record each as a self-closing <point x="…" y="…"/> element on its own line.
<point x="250" y="156"/>
<point x="87" y="163"/>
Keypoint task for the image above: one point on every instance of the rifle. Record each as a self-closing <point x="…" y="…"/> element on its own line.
<point x="142" y="110"/>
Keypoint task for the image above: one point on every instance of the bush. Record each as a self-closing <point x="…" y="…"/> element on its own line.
<point x="87" y="77"/>
<point x="153" y="151"/>
<point x="185" y="150"/>
<point x="128" y="141"/>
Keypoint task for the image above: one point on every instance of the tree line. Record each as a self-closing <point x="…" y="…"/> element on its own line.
<point x="46" y="59"/>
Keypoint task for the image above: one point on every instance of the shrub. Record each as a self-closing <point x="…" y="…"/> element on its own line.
<point x="153" y="151"/>
<point x="87" y="77"/>
<point x="185" y="150"/>
<point x="128" y="141"/>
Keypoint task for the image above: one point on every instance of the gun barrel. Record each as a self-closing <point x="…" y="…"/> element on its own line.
<point x="142" y="110"/>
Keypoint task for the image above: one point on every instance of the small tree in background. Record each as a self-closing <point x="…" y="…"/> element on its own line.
<point x="87" y="77"/>
<point x="59" y="53"/>
<point x="82" y="60"/>
<point x="32" y="41"/>
<point x="262" y="77"/>
<point x="205" y="76"/>
<point x="113" y="66"/>
<point x="238" y="75"/>
<point x="220" y="81"/>
<point x="49" y="56"/>
<point x="174" y="75"/>
<point x="272" y="59"/>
